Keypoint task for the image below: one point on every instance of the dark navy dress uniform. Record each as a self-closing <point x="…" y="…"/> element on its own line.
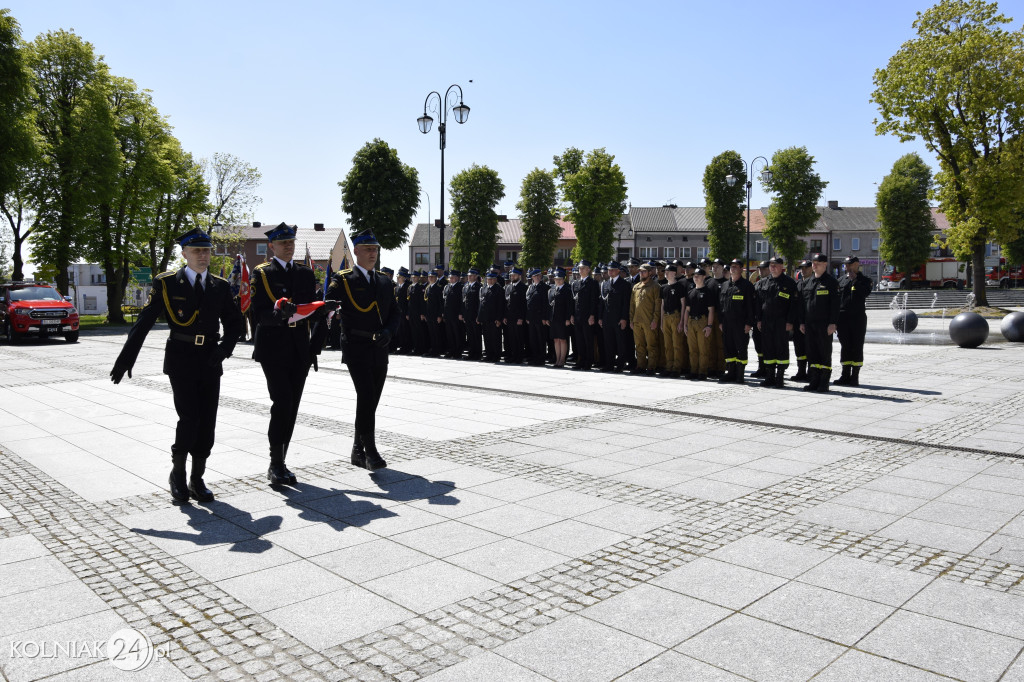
<point x="418" y="307"/>
<point x="560" y="301"/>
<point x="585" y="294"/>
<point x="285" y="350"/>
<point x="470" y="310"/>
<point x="515" y="314"/>
<point x="433" y="296"/>
<point x="819" y="308"/>
<point x="537" y="313"/>
<point x="453" y="326"/>
<point x="193" y="355"/>
<point x="491" y="311"/>
<point x="615" y="296"/>
<point x="853" y="324"/>
<point x="403" y="341"/>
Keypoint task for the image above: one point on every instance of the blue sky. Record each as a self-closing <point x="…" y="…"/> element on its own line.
<point x="296" y="88"/>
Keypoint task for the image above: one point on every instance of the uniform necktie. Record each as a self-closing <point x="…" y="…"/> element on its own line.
<point x="199" y="288"/>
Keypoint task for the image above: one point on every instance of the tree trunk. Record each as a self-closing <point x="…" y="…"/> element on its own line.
<point x="18" y="273"/>
<point x="115" y="296"/>
<point x="978" y="275"/>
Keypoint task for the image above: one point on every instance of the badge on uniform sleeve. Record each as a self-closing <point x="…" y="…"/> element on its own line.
<point x="181" y="313"/>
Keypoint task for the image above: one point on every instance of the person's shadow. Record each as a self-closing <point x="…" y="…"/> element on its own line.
<point x="219" y="523"/>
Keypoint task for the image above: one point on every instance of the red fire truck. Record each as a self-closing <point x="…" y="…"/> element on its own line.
<point x="1004" y="276"/>
<point x="935" y="273"/>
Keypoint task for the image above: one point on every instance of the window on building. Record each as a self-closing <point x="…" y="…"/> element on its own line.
<point x="854" y="243"/>
<point x="703" y="251"/>
<point x="422" y="259"/>
<point x="875" y="241"/>
<point x="261" y="249"/>
<point x="562" y="254"/>
<point x="437" y="258"/>
<point x="686" y="252"/>
<point x="837" y="243"/>
<point x="648" y="252"/>
<point x="815" y="246"/>
<point x="761" y="246"/>
<point x="512" y="256"/>
<point x="670" y="252"/>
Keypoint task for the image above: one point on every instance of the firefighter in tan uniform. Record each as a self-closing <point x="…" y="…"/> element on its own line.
<point x="644" y="316"/>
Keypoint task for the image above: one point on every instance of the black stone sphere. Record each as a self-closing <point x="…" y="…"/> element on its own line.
<point x="1012" y="326"/>
<point x="968" y="330"/>
<point x="904" y="321"/>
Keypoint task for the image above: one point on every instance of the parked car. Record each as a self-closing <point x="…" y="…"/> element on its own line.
<point x="935" y="273"/>
<point x="36" y="310"/>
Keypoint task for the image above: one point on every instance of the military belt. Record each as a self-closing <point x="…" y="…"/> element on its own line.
<point x="373" y="336"/>
<point x="195" y="339"/>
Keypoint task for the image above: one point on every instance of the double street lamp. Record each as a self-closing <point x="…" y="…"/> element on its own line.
<point x="440" y="106"/>
<point x="730" y="180"/>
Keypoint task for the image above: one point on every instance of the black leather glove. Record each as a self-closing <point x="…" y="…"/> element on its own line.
<point x="217" y="356"/>
<point x="117" y="373"/>
<point x="286" y="310"/>
<point x="331" y="305"/>
<point x="384" y="339"/>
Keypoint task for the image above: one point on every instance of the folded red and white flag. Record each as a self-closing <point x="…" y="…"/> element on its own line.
<point x="304" y="309"/>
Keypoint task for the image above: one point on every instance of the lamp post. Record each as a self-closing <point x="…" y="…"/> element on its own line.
<point x="730" y="180"/>
<point x="440" y="106"/>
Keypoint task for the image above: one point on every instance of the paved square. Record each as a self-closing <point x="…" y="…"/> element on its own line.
<point x="531" y="525"/>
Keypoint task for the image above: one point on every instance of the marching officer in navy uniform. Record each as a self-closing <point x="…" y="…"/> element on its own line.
<point x="369" y="320"/>
<point x="453" y="327"/>
<point x="615" y="294"/>
<point x="195" y="304"/>
<point x="819" y="315"/>
<point x="285" y="350"/>
<point x="776" y="313"/>
<point x="854" y="288"/>
<point x="515" y="316"/>
<point x="490" y="315"/>
<point x="537" y="313"/>
<point x="736" y="305"/>
<point x="585" y="294"/>
<point x="470" y="309"/>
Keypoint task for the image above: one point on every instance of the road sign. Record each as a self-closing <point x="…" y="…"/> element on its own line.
<point x="142" y="275"/>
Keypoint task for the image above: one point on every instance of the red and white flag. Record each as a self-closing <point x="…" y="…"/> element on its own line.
<point x="304" y="309"/>
<point x="245" y="296"/>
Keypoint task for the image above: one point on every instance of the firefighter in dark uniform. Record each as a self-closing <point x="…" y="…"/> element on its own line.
<point x="470" y="310"/>
<point x="195" y="304"/>
<point x="776" y="313"/>
<point x="819" y="315"/>
<point x="854" y="288"/>
<point x="416" y="311"/>
<point x="799" y="339"/>
<point x="736" y="300"/>
<point x="285" y="350"/>
<point x="537" y="312"/>
<point x="403" y="340"/>
<point x="490" y="315"/>
<point x="515" y="316"/>
<point x="585" y="294"/>
<point x="616" y="292"/>
<point x="759" y="281"/>
<point x="433" y="296"/>
<point x="369" y="320"/>
<point x="453" y="315"/>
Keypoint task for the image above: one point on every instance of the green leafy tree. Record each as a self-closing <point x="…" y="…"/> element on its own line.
<point x="794" y="208"/>
<point x="78" y="154"/>
<point x="595" y="189"/>
<point x="724" y="205"/>
<point x="474" y="192"/>
<point x="959" y="87"/>
<point x="904" y="215"/>
<point x="538" y="208"/>
<point x="181" y="206"/>
<point x="233" y="184"/>
<point x="17" y="135"/>
<point x="380" y="193"/>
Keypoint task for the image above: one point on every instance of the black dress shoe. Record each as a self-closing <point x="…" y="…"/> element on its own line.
<point x="179" y="490"/>
<point x="199" y="490"/>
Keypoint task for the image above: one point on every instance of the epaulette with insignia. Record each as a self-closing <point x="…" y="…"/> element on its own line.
<point x="345" y="272"/>
<point x="223" y="279"/>
<point x="262" y="265"/>
<point x="164" y="274"/>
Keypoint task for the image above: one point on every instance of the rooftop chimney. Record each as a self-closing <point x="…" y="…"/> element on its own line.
<point x="318" y="227"/>
<point x="834" y="205"/>
<point x="502" y="218"/>
<point x="257" y="223"/>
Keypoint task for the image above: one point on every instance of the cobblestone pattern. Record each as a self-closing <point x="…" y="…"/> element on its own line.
<point x="213" y="635"/>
